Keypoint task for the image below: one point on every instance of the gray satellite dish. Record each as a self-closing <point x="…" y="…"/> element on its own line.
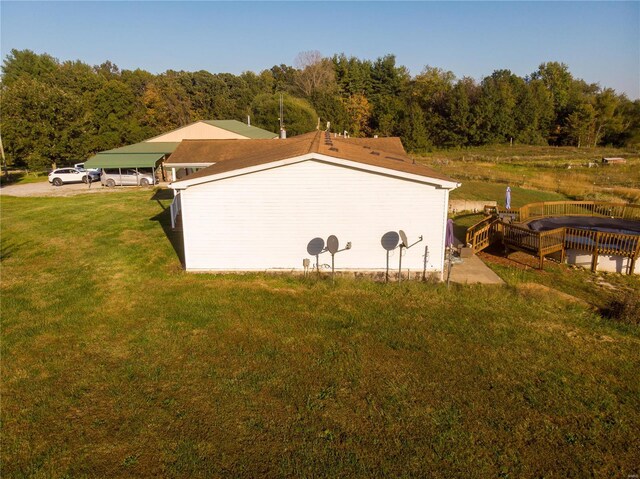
<point x="403" y="237"/>
<point x="315" y="246"/>
<point x="333" y="244"/>
<point x="390" y="240"/>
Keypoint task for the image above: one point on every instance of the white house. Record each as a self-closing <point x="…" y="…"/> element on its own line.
<point x="258" y="205"/>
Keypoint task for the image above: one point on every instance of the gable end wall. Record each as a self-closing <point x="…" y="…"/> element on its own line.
<point x="264" y="220"/>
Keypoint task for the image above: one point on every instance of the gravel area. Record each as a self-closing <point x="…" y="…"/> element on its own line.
<point x="44" y="188"/>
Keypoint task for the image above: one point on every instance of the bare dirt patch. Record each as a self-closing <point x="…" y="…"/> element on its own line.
<point x="516" y="259"/>
<point x="545" y="291"/>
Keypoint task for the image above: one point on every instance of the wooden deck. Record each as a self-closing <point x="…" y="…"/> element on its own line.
<point x="542" y="243"/>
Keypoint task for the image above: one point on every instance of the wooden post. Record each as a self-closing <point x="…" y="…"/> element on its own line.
<point x="594" y="255"/>
<point x="563" y="251"/>
<point x="634" y="257"/>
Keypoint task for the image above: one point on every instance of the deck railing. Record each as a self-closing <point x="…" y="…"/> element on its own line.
<point x="602" y="242"/>
<point x="482" y="234"/>
<point x="176" y="207"/>
<point x="540" y="244"/>
<point x="579" y="208"/>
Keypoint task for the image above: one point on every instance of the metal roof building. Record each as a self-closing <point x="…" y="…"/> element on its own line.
<point x="149" y="153"/>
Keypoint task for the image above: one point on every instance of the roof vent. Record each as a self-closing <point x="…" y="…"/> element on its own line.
<point x="333" y="148"/>
<point x="394" y="158"/>
<point x="366" y="147"/>
<point x="375" y="153"/>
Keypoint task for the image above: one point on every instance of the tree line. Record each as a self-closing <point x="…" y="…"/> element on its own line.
<point x="63" y="112"/>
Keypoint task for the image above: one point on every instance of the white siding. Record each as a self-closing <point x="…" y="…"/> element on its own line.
<point x="264" y="220"/>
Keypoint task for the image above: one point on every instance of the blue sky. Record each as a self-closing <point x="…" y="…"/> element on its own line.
<point x="600" y="41"/>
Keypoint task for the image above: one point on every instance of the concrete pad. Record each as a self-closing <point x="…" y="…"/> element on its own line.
<point x="471" y="271"/>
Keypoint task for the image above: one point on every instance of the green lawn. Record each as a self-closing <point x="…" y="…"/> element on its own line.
<point x="116" y="363"/>
<point x="484" y="190"/>
<point x="21" y="177"/>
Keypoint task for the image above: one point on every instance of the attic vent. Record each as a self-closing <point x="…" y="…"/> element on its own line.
<point x="333" y="148"/>
<point x="377" y="153"/>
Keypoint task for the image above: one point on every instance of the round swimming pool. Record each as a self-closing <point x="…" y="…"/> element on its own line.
<point x="608" y="225"/>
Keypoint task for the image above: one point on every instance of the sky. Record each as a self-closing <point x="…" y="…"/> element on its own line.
<point x="599" y="41"/>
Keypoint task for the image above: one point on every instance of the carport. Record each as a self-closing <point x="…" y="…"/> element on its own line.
<point x="135" y="161"/>
<point x="134" y="157"/>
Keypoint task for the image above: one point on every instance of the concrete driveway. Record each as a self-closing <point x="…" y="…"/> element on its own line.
<point x="44" y="188"/>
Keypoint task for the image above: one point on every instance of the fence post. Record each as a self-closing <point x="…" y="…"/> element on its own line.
<point x="634" y="256"/>
<point x="594" y="255"/>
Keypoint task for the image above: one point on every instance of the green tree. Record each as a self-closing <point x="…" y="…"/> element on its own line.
<point x="460" y="128"/>
<point x="331" y="108"/>
<point x="359" y="110"/>
<point x="580" y="125"/>
<point x="353" y="75"/>
<point x="496" y="108"/>
<point x="167" y="105"/>
<point x="116" y="116"/>
<point x="25" y="63"/>
<point x="40" y="124"/>
<point x="534" y="114"/>
<point x="299" y="115"/>
<point x="432" y="89"/>
<point x="607" y="114"/>
<point x="284" y="78"/>
<point x="413" y="129"/>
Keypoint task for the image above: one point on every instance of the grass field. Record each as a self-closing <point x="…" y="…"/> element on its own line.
<point x="561" y="170"/>
<point x="116" y="363"/>
<point x="486" y="190"/>
<point x="22" y="177"/>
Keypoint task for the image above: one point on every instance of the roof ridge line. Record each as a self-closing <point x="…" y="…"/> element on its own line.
<point x="313" y="141"/>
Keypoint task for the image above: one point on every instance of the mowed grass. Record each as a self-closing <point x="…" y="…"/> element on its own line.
<point x="22" y="177"/>
<point x="116" y="363"/>
<point x="486" y="190"/>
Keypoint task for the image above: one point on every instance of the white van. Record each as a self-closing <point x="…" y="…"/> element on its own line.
<point x="127" y="177"/>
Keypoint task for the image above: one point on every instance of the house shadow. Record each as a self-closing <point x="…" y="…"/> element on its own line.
<point x="460" y="231"/>
<point x="162" y="194"/>
<point x="164" y="218"/>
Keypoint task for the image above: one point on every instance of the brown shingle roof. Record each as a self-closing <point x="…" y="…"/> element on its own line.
<point x="230" y="155"/>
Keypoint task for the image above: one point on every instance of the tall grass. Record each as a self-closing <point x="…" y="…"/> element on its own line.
<point x="116" y="363"/>
<point x="564" y="171"/>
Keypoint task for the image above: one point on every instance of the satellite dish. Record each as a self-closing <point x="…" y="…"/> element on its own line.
<point x="332" y="244"/>
<point x="390" y="240"/>
<point x="403" y="237"/>
<point x="315" y="246"/>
